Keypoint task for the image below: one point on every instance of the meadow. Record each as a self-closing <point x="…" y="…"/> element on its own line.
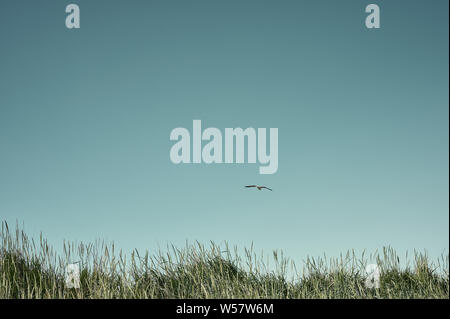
<point x="31" y="269"/>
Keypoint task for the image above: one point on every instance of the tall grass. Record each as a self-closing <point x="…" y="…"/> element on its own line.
<point x="30" y="269"/>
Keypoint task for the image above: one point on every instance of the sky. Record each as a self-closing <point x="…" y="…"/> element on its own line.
<point x="362" y="118"/>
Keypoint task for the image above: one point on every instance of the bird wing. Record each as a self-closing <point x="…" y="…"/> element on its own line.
<point x="250" y="186"/>
<point x="266" y="188"/>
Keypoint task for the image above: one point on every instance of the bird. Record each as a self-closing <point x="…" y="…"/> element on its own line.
<point x="259" y="187"/>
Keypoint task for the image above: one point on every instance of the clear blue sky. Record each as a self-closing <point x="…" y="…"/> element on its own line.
<point x="85" y="118"/>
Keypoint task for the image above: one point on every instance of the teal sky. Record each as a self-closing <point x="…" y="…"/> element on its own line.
<point x="85" y="118"/>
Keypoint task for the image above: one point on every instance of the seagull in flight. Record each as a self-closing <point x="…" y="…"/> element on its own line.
<point x="258" y="187"/>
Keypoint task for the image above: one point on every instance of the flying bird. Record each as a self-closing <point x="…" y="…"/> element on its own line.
<point x="258" y="187"/>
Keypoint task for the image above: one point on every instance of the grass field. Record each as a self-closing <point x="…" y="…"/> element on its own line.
<point x="30" y="269"/>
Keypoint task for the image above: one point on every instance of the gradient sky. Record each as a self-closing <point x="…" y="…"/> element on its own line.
<point x="85" y="118"/>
